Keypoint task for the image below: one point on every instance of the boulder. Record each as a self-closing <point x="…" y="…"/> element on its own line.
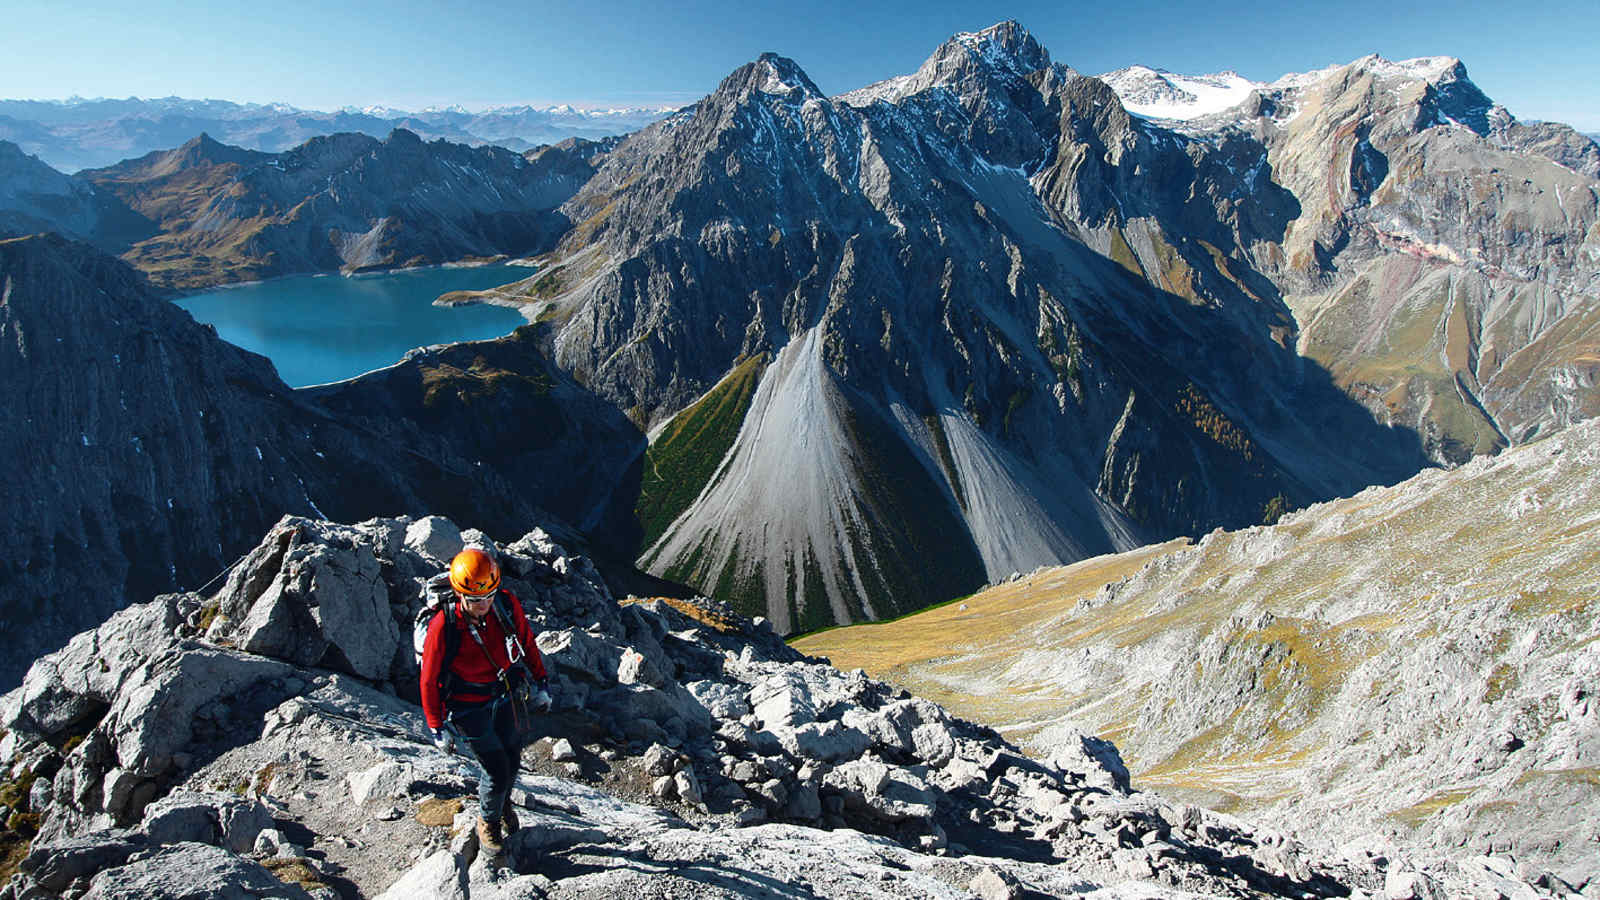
<point x="441" y="876"/>
<point x="325" y="604"/>
<point x="635" y="668"/>
<point x="117" y="789"/>
<point x="688" y="786"/>
<point x="208" y="818"/>
<point x="889" y="793"/>
<point x="383" y="782"/>
<point x="580" y="655"/>
<point x="782" y="700"/>
<point x="191" y="871"/>
<point x="824" y="741"/>
<point x="723" y="701"/>
<point x="914" y="727"/>
<point x="989" y="884"/>
<point x="659" y="760"/>
<point x="435" y="538"/>
<point x="1095" y="760"/>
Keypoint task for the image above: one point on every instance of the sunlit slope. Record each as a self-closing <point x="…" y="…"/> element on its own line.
<point x="1418" y="660"/>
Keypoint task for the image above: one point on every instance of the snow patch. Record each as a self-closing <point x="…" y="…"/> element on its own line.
<point x="1158" y="94"/>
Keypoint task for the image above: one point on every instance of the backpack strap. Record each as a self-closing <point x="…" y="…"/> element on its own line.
<point x="449" y="681"/>
<point x="502" y="611"/>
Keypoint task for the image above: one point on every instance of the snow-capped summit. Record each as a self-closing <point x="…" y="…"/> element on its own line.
<point x="1159" y="94"/>
<point x="1005" y="49"/>
<point x="1006" y="45"/>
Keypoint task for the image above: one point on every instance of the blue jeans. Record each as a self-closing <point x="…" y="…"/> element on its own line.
<point x="489" y="729"/>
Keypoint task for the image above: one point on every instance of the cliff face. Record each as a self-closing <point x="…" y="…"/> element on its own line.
<point x="147" y="453"/>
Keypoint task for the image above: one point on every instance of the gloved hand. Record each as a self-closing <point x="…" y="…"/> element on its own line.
<point x="542" y="701"/>
<point x="444" y="739"/>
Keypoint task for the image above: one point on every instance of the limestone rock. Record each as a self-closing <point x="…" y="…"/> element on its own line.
<point x="442" y="876"/>
<point x="226" y="821"/>
<point x="383" y="782"/>
<point x="189" y="871"/>
<point x="991" y="885"/>
<point x="659" y="760"/>
<point x="435" y="538"/>
<point x="326" y="606"/>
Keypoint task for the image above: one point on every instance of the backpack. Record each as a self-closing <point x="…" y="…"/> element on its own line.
<point x="436" y="598"/>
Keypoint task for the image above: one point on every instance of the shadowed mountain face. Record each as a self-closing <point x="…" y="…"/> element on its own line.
<point x="951" y="380"/>
<point x="35" y="197"/>
<point x="146" y="453"/>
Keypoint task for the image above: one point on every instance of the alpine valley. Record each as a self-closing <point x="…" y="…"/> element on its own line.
<point x="822" y="360"/>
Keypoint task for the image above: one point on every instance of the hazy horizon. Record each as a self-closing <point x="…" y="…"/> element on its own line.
<point x="1539" y="64"/>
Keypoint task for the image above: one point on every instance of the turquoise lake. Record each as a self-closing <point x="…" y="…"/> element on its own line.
<point x="321" y="328"/>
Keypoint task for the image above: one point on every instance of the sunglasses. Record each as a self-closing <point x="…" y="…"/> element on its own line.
<point x="471" y="598"/>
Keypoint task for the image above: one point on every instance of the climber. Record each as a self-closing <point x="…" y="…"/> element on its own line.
<point x="482" y="676"/>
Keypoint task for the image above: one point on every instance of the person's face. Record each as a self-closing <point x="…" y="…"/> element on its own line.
<point x="476" y="607"/>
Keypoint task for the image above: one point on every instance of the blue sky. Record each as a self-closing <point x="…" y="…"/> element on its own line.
<point x="1542" y="61"/>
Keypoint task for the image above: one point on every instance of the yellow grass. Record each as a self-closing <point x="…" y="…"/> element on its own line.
<point x="999" y="615"/>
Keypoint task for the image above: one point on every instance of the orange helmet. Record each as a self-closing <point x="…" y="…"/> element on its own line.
<point x="474" y="573"/>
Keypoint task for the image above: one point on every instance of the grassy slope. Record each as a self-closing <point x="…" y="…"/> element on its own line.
<point x="993" y="620"/>
<point x="1354" y="588"/>
<point x="688" y="450"/>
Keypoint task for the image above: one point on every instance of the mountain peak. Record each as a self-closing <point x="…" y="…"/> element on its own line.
<point x="1006" y="44"/>
<point x="773" y="74"/>
<point x="1425" y="68"/>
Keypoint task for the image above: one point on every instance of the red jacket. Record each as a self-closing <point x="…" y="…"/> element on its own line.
<point x="470" y="663"/>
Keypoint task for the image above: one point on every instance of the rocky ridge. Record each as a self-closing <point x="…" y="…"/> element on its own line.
<point x="253" y="743"/>
<point x="1411" y="670"/>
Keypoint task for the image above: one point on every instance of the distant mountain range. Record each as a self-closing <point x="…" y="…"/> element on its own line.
<point x="82" y="134"/>
<point x="207" y="213"/>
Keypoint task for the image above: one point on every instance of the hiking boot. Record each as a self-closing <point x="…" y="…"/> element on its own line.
<point x="508" y="819"/>
<point x="490" y="837"/>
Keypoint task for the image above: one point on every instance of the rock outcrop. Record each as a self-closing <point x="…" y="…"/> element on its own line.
<point x="147" y="453"/>
<point x="699" y="750"/>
